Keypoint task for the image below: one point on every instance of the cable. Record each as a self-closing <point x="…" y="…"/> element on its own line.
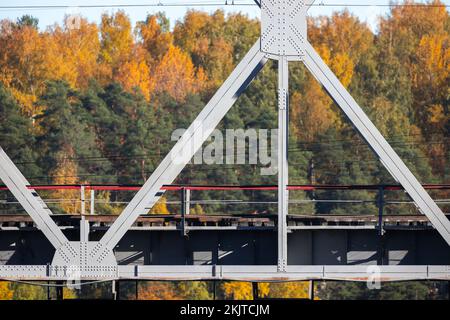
<point x="147" y="156"/>
<point x="214" y="3"/>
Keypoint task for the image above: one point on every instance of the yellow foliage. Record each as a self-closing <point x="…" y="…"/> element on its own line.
<point x="196" y="36"/>
<point x="197" y="210"/>
<point x="341" y="33"/>
<point x="160" y="207"/>
<point x="65" y="173"/>
<point x="69" y="294"/>
<point x="73" y="53"/>
<point x="23" y="55"/>
<point x="116" y="38"/>
<point x="238" y="290"/>
<point x="433" y="68"/>
<point x="103" y="205"/>
<point x="244" y="290"/>
<point x="5" y="291"/>
<point x="289" y="290"/>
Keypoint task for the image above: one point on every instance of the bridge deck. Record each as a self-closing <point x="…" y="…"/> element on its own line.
<point x="247" y="220"/>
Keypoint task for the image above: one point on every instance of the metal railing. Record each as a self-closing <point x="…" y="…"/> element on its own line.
<point x="87" y="200"/>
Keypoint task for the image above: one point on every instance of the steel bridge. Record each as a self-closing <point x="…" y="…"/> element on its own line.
<point x="259" y="248"/>
<point x="240" y="246"/>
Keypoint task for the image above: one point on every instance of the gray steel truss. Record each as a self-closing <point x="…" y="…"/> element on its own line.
<point x="185" y="148"/>
<point x="283" y="38"/>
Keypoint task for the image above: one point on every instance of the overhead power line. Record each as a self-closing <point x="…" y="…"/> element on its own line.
<point x="212" y="3"/>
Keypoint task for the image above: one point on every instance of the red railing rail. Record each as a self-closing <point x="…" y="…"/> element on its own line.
<point x="228" y="187"/>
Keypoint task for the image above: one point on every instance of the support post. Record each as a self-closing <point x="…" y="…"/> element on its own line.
<point x="136" y="293"/>
<point x="184" y="209"/>
<point x="187" y="201"/>
<point x="381" y="231"/>
<point x="115" y="289"/>
<point x="255" y="290"/>
<point x="59" y="290"/>
<point x="311" y="290"/>
<point x="92" y="207"/>
<point x="283" y="126"/>
<point x="83" y="200"/>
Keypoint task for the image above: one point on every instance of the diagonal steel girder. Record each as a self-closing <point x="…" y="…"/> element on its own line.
<point x="388" y="157"/>
<point x="33" y="204"/>
<point x="186" y="147"/>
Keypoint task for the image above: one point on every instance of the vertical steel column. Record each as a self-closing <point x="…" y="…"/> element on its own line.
<point x="311" y="290"/>
<point x="83" y="200"/>
<point x="187" y="201"/>
<point x="59" y="290"/>
<point x="184" y="210"/>
<point x="92" y="208"/>
<point x="283" y="126"/>
<point x="255" y="289"/>
<point x="381" y="231"/>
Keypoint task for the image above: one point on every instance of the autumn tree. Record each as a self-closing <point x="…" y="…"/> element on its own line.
<point x="155" y="36"/>
<point x="418" y="39"/>
<point x="73" y="52"/>
<point x="5" y="291"/>
<point x="23" y="59"/>
<point x="176" y="75"/>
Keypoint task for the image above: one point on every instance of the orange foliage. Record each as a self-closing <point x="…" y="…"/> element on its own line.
<point x="176" y="74"/>
<point x="312" y="112"/>
<point x="408" y="24"/>
<point x="5" y="291"/>
<point x="73" y="53"/>
<point x="154" y="39"/>
<point x="341" y="40"/>
<point x="158" y="291"/>
<point x="135" y="73"/>
<point x="243" y="290"/>
<point x="201" y="36"/>
<point x="23" y="56"/>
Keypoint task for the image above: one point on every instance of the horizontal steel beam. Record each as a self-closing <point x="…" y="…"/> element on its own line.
<point x="238" y="273"/>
